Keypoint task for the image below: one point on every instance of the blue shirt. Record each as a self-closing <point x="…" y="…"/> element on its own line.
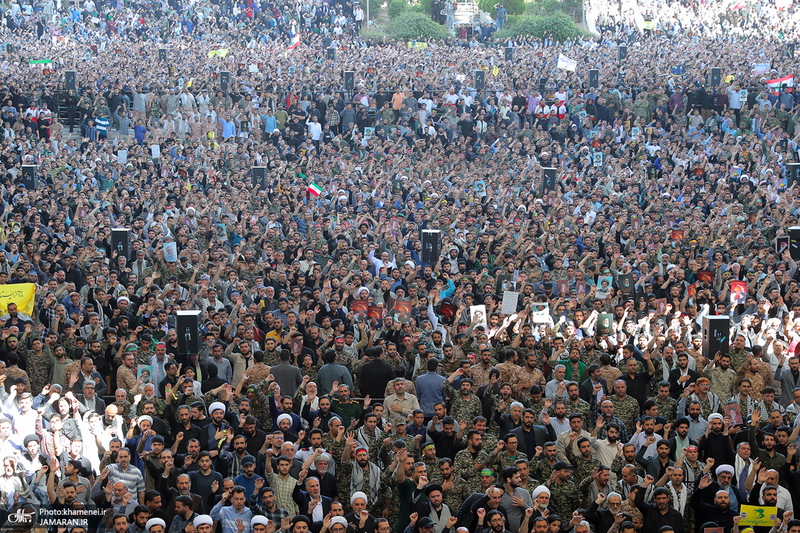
<point x="248" y="484"/>
<point x="227" y="516"/>
<point x="228" y="129"/>
<point x="429" y="392"/>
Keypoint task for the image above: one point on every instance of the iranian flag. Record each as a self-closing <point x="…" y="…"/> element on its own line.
<point x="314" y="189"/>
<point x="777" y="83"/>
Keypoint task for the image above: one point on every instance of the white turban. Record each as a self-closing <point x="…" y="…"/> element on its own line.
<point x="215" y="406"/>
<point x="724" y="468"/>
<point x="203" y="520"/>
<point x="147" y="418"/>
<point x="283" y="417"/>
<point x="155" y="522"/>
<point x="259" y="519"/>
<point x="715" y="416"/>
<point x="357" y="495"/>
<point x="540" y="490"/>
<point x="339" y="520"/>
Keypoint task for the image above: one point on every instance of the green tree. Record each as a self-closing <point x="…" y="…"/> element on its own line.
<point x="559" y="26"/>
<point x="416" y="26"/>
<point x="397" y="8"/>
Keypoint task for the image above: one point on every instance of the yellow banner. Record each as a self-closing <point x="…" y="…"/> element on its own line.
<point x="753" y="515"/>
<point x="649" y="25"/>
<point x="496" y="71"/>
<point x="418" y="46"/>
<point x="21" y="294"/>
<point x="222" y="52"/>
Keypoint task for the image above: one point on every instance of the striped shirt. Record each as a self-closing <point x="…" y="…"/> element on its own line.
<point x="102" y="125"/>
<point x="132" y="477"/>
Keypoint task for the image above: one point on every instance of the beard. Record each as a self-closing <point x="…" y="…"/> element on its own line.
<point x="612" y="440"/>
<point x="478" y="447"/>
<point x="724" y="506"/>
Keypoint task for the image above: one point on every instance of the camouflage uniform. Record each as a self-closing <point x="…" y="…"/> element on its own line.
<point x="334" y="448"/>
<point x="461" y="409"/>
<point x="666" y="408"/>
<point x="389" y="483"/>
<point x="159" y="404"/>
<point x="630" y="509"/>
<point x="143" y="356"/>
<point x="564" y="498"/>
<point x="507" y="371"/>
<point x="344" y="472"/>
<point x="539" y="468"/>
<point x="536" y="407"/>
<point x="464" y="466"/>
<point x="272" y="358"/>
<point x="582" y="467"/>
<point x="455" y="496"/>
<point x="448" y="366"/>
<point x="582" y="408"/>
<point x="524" y="378"/>
<point x="623" y="366"/>
<point x="688" y="511"/>
<point x="738" y="358"/>
<point x="69" y="344"/>
<point x="503" y="460"/>
<point x="627" y="410"/>
<point x="15" y="372"/>
<point x="723" y="382"/>
<point x="39" y="368"/>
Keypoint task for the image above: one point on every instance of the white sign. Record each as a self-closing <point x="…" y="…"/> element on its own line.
<point x="566" y="63"/>
<point x="510" y="299"/>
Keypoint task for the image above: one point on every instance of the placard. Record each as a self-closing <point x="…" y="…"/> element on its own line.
<point x="510" y="299"/>
<point x="752" y="515"/>
<point x="478" y="315"/>
<point x="540" y="313"/>
<point x="402" y="311"/>
<point x="604" y="323"/>
<point x="359" y="309"/>
<point x="171" y="252"/>
<point x="738" y="292"/>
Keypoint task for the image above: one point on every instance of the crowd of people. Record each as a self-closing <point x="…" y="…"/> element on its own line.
<point x="404" y="326"/>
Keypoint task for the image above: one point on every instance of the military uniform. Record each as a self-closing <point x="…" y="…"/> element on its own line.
<point x="582" y="467"/>
<point x="627" y="410"/>
<point x="738" y="357"/>
<point x="464" y="466"/>
<point x="723" y="382"/>
<point x="507" y="371"/>
<point x="666" y="408"/>
<point x="564" y="498"/>
<point x="449" y="366"/>
<point x="583" y="408"/>
<point x="688" y="510"/>
<point x="460" y="409"/>
<point x="39" y="368"/>
<point x="536" y="407"/>
<point x="539" y="468"/>
<point x="344" y="472"/>
<point x="454" y="496"/>
<point x="503" y="460"/>
<point x="524" y="379"/>
<point x="272" y="358"/>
